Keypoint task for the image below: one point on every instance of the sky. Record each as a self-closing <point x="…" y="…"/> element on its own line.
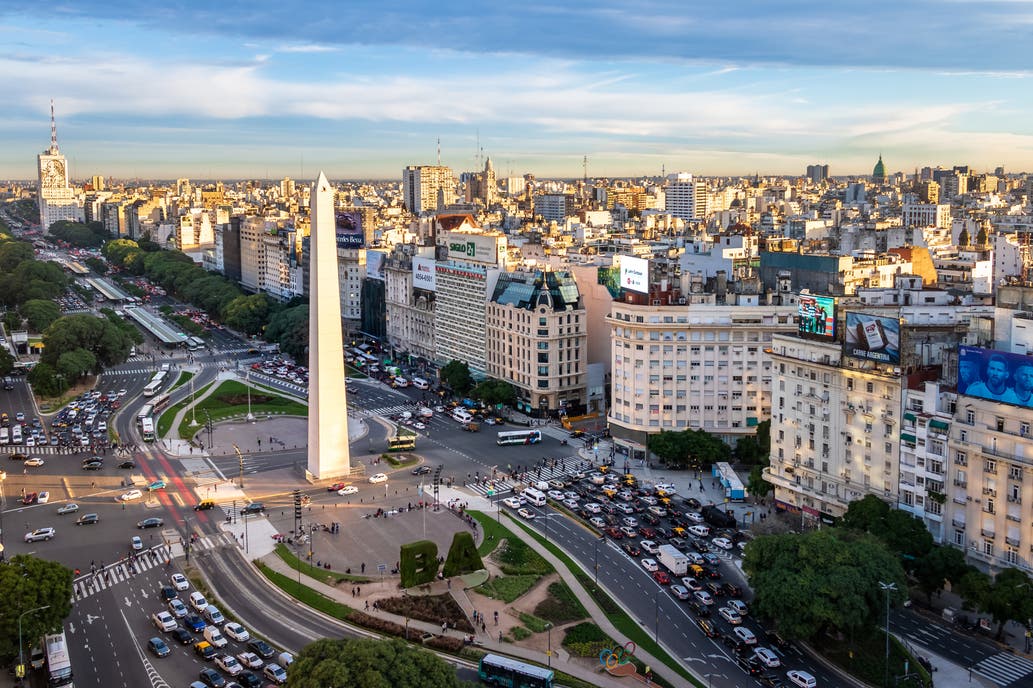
<point x="360" y="89"/>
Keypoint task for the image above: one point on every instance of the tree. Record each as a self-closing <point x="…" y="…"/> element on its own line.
<point x="456" y="375"/>
<point x="370" y="663"/>
<point x="6" y="361"/>
<point x="289" y="329"/>
<point x="27" y="582"/>
<point x="963" y="238"/>
<point x="39" y="313"/>
<point x="756" y="484"/>
<point x="867" y="514"/>
<point x="820" y="581"/>
<point x="248" y="314"/>
<point x="689" y="448"/>
<point x="12" y="253"/>
<point x="45" y="381"/>
<point x="940" y="565"/>
<point x="1008" y="597"/>
<point x="79" y="234"/>
<point x="902" y="532"/>
<point x="97" y="265"/>
<point x="105" y="340"/>
<point x="494" y="392"/>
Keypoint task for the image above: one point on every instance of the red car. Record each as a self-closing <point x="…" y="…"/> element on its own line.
<point x="30" y="498"/>
<point x="647" y="532"/>
<point x="614" y="533"/>
<point x="661" y="577"/>
<point x="335" y="487"/>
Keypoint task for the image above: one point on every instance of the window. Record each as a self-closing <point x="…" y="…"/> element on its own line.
<point x="870" y="387"/>
<point x="988" y="547"/>
<point x="989" y="466"/>
<point x="970" y="417"/>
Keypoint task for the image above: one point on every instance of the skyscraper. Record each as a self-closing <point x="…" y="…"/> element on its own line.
<point x="686" y="197"/>
<point x="57" y="200"/>
<point x="427" y="187"/>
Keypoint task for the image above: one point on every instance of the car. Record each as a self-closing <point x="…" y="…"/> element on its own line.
<point x="156" y="485"/>
<point x="250" y="660"/>
<point x="212" y="678"/>
<point x="179" y="581"/>
<point x="197" y="601"/>
<point x="734" y="642"/>
<point x="732" y="590"/>
<point x="237" y="632"/>
<point x="152" y="522"/>
<point x="30" y="498"/>
<point x="525" y="513"/>
<point x="631" y="549"/>
<point x="335" y="487"/>
<point x="19" y="416"/>
<point x="801" y="678"/>
<point x="694" y="516"/>
<point x="770" y="681"/>
<point x="661" y="577"/>
<point x="723" y="543"/>
<point x="698" y="609"/>
<point x="629" y="531"/>
<point x="275" y="673"/>
<point x="204" y="505"/>
<point x="421" y="470"/>
<point x="136" y="543"/>
<point x="158" y="647"/>
<point x="419" y="425"/>
<point x="703" y="597"/>
<point x="712" y="559"/>
<point x="229" y="664"/>
<point x="261" y="648"/>
<point x="195" y="623"/>
<point x="680" y="591"/>
<point x="182" y="635"/>
<point x="614" y="533"/>
<point x="745" y="634"/>
<point x="699" y="530"/>
<point x="555" y="495"/>
<point x="650" y="565"/>
<point x="377" y="478"/>
<point x="730" y="615"/>
<point x="167" y="593"/>
<point x="598" y="522"/>
<point x="767" y="657"/>
<point x="253" y="508"/>
<point x="130" y="495"/>
<point x="707" y="628"/>
<point x="43" y="497"/>
<point x="127" y="464"/>
<point x="34" y="461"/>
<point x="649" y="546"/>
<point x="739" y="606"/>
<point x="87" y="520"/>
<point x="347" y="490"/>
<point x="512" y="502"/>
<point x="212" y="615"/>
<point x="40" y="534"/>
<point x="691" y="583"/>
<point x="750" y="664"/>
<point x="164" y="621"/>
<point x="92" y="465"/>
<point x="178" y="609"/>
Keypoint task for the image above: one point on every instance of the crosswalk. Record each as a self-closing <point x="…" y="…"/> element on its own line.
<point x="1005" y="669"/>
<point x="505" y="486"/>
<point x="114" y="574"/>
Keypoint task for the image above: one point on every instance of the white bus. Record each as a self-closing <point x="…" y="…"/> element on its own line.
<point x="194" y="343"/>
<point x="420" y="383"/>
<point x="59" y="665"/>
<point x="147" y="429"/>
<point x="155" y="384"/>
<point x="145" y="412"/>
<point x="533" y="496"/>
<point x="16" y="434"/>
<point x="519" y="437"/>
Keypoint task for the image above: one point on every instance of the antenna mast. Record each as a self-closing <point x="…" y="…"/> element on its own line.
<point x="53" y="127"/>
<point x="439" y="151"/>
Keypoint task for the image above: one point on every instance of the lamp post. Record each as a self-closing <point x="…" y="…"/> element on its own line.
<point x="597" y="541"/>
<point x="193" y="411"/>
<point x="887" y="588"/>
<point x="21" y="651"/>
<point x="548" y="627"/>
<point x="247" y="383"/>
<point x="240" y="465"/>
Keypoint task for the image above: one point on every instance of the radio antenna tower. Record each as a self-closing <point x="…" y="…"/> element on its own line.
<point x="439" y="151"/>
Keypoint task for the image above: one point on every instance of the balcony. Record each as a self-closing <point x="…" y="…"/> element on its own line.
<point x="1014" y="542"/>
<point x="958" y="523"/>
<point x="989" y="492"/>
<point x="987" y="533"/>
<point x="961" y="483"/>
<point x="1015" y="499"/>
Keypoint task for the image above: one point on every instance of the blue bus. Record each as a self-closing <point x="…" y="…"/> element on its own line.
<point x="502" y="671"/>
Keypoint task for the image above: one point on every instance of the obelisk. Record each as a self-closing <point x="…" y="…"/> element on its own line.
<point x="328" y="455"/>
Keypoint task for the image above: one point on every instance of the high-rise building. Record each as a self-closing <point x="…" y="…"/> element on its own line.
<point x="817" y="173"/>
<point x="686" y="197"/>
<point x="57" y="200"/>
<point x="427" y="188"/>
<point x="483" y="186"/>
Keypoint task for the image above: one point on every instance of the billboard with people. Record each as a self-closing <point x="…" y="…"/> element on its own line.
<point x="995" y="375"/>
<point x="817" y="316"/>
<point x="872" y="337"/>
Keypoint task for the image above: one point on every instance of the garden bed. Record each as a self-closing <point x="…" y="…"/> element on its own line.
<point x="430" y="608"/>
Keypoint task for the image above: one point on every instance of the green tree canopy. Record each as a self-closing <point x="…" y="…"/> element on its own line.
<point x="106" y="341"/>
<point x="6" y="361"/>
<point x="45" y="382"/>
<point x="1008" y="597"/>
<point x="14" y="252"/>
<point x="27" y="582"/>
<point x="30" y="279"/>
<point x="495" y="392"/>
<point x="900" y="530"/>
<point x="97" y="265"/>
<point x="370" y="663"/>
<point x="289" y="328"/>
<point x="689" y="448"/>
<point x="248" y="314"/>
<point x="942" y="564"/>
<point x="78" y="234"/>
<point x="40" y="314"/>
<point x="824" y="580"/>
<point x="456" y="375"/>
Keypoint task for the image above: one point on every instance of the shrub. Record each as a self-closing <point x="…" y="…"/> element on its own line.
<point x="419" y="562"/>
<point x="560" y="606"/>
<point x="431" y="608"/>
<point x="516" y="557"/>
<point x="534" y="623"/>
<point x="446" y="643"/>
<point x="377" y="624"/>
<point x="586" y="640"/>
<point x="520" y="633"/>
<point x="462" y="556"/>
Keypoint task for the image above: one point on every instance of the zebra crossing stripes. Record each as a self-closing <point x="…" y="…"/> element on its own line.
<point x="1004" y="668"/>
<point x="114" y="574"/>
<point x="505" y="486"/>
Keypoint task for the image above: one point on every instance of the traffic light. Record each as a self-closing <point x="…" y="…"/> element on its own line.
<point x="297" y="504"/>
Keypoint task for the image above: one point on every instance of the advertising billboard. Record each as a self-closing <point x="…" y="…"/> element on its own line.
<point x="349" y="230"/>
<point x="817" y="316"/>
<point x="872" y="337"/>
<point x="477" y="247"/>
<point x="995" y="375"/>
<point x="423" y="274"/>
<point x="635" y="274"/>
<point x="375" y="261"/>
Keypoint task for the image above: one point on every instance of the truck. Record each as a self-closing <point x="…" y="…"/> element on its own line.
<point x="671" y="557"/>
<point x="713" y="515"/>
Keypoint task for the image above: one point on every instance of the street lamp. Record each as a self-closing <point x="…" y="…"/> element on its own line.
<point x="21" y="651"/>
<point x="887" y="588"/>
<point x="597" y="541"/>
<point x="240" y="465"/>
<point x="548" y="627"/>
<point x="247" y="383"/>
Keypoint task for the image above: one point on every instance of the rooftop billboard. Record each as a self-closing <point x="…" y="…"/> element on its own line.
<point x="423" y="273"/>
<point x="635" y="274"/>
<point x="375" y="261"/>
<point x="817" y="316"/>
<point x="995" y="375"/>
<point x="349" y="230"/>
<point x="872" y="337"/>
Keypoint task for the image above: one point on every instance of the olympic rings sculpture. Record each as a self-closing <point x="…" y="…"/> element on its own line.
<point x="611" y="658"/>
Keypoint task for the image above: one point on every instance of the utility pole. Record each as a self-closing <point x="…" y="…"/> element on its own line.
<point x="240" y="465"/>
<point x="887" y="588"/>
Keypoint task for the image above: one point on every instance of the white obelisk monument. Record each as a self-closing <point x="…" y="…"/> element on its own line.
<point x="328" y="455"/>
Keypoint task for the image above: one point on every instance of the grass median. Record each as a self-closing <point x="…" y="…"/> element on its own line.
<point x="231" y="398"/>
<point x="320" y="574"/>
<point x="184" y="377"/>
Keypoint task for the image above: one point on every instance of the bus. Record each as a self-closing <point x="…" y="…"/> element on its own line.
<point x="155" y="384"/>
<point x="401" y="443"/>
<point x="160" y="404"/>
<point x="145" y="412"/>
<point x="519" y="437"/>
<point x="194" y="343"/>
<point x="59" y="666"/>
<point x="510" y="673"/>
<point x="147" y="429"/>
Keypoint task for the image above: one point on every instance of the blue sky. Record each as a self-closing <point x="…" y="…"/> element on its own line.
<point x="360" y="89"/>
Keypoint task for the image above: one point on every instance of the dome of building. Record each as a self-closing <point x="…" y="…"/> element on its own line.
<point x="879" y="173"/>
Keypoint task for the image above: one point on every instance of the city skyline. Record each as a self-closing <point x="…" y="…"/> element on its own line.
<point x="636" y="87"/>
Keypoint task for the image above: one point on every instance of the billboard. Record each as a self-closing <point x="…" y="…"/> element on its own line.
<point x="635" y="274"/>
<point x="872" y="337"/>
<point x="817" y="316"/>
<point x="995" y="375"/>
<point x="423" y="274"/>
<point x="375" y="264"/>
<point x="349" y="230"/>
<point x="478" y="247"/>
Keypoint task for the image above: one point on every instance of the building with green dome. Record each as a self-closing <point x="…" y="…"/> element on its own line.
<point x="879" y="173"/>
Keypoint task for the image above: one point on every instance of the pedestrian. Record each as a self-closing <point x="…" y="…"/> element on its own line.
<point x="496" y="617"/>
<point x="362" y="568"/>
<point x="444" y="627"/>
<point x="367" y="605"/>
<point x="500" y="636"/>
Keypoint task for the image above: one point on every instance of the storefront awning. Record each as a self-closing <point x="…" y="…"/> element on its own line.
<point x="939" y="424"/>
<point x="907" y="437"/>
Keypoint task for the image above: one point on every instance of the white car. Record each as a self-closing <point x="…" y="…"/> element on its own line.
<point x="650" y="565"/>
<point x="691" y="583"/>
<point x="593" y="508"/>
<point x="745" y="635"/>
<point x="555" y="495"/>
<point x="250" y="660"/>
<point x="377" y="478"/>
<point x="570" y="504"/>
<point x="739" y="606"/>
<point x="348" y="490"/>
<point x="630" y="521"/>
<point x="197" y="601"/>
<point x="237" y="632"/>
<point x="34" y="461"/>
<point x="801" y="678"/>
<point x="723" y="543"/>
<point x="767" y="657"/>
<point x="512" y="502"/>
<point x="40" y="534"/>
<point x="179" y="581"/>
<point x="275" y="673"/>
<point x="164" y="621"/>
<point x="419" y="426"/>
<point x="229" y="664"/>
<point x="694" y="516"/>
<point x="680" y="591"/>
<point x="526" y="513"/>
<point x="730" y="615"/>
<point x="178" y="609"/>
<point x="131" y="495"/>
<point x="69" y="508"/>
<point x="598" y="522"/>
<point x="649" y="546"/>
<point x="699" y="530"/>
<point x="213" y="616"/>
<point x="136" y="543"/>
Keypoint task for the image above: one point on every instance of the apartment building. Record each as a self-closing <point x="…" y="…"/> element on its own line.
<point x="686" y="197"/>
<point x="924" y="453"/>
<point x="427" y="188"/>
<point x="409" y="284"/>
<point x="926" y="215"/>
<point x="536" y="337"/>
